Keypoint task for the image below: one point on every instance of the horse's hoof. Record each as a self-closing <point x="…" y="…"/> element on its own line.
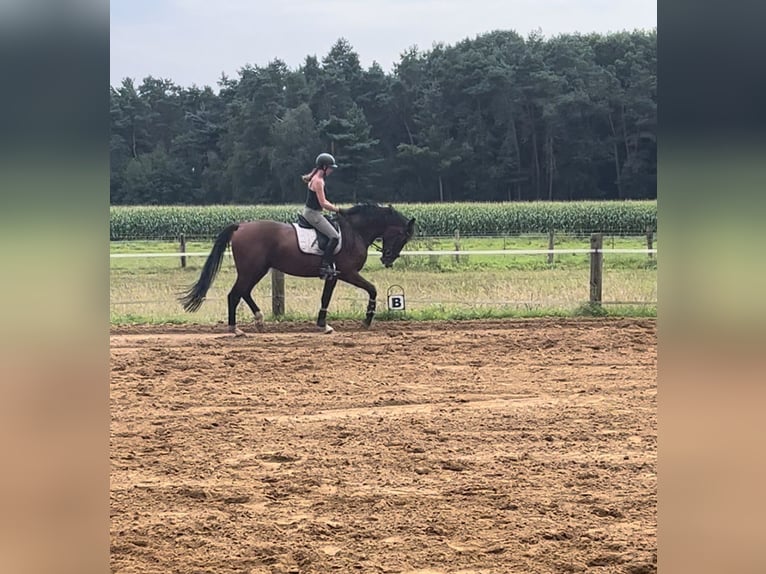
<point x="237" y="332"/>
<point x="326" y="329"/>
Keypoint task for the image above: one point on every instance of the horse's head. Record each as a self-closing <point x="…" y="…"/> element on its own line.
<point x="396" y="235"/>
<point x="373" y="221"/>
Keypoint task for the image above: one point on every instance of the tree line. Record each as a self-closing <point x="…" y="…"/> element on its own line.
<point x="498" y="117"/>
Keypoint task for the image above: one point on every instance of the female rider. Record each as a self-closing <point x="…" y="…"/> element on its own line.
<point x="316" y="200"/>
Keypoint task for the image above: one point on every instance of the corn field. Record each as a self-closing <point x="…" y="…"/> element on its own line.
<point x="433" y="220"/>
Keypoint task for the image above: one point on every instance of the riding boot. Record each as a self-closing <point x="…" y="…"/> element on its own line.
<point x="327" y="270"/>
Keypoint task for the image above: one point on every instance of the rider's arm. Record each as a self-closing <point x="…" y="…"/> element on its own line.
<point x="319" y="190"/>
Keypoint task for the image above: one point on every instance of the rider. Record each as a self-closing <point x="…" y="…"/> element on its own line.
<point x="315" y="201"/>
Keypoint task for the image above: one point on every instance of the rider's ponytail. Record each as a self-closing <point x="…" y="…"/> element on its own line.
<point x="306" y="177"/>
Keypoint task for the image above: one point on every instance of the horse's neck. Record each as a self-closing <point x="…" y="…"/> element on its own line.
<point x="366" y="230"/>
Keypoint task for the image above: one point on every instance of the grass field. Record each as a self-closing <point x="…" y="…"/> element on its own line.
<point x="144" y="290"/>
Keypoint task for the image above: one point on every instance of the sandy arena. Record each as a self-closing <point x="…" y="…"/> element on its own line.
<point x="442" y="448"/>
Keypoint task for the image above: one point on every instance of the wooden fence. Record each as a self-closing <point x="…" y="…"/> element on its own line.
<point x="596" y="252"/>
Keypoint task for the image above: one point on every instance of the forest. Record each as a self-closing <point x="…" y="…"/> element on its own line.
<point x="497" y="117"/>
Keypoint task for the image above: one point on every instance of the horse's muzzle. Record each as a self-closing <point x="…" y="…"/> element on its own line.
<point x="387" y="261"/>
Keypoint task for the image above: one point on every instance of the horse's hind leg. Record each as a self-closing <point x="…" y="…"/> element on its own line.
<point x="240" y="290"/>
<point x="234" y="296"/>
<point x="257" y="315"/>
<point x="248" y="297"/>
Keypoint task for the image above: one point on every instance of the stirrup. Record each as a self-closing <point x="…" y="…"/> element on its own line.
<point x="327" y="272"/>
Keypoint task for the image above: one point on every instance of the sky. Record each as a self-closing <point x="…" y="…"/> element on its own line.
<point x="192" y="42"/>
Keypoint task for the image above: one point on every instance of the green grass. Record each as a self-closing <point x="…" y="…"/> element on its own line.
<point x="144" y="290"/>
<point x="438" y="313"/>
<point x="440" y="263"/>
<point x="460" y="263"/>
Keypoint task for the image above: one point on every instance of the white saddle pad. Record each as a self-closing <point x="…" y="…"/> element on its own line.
<point x="307" y="241"/>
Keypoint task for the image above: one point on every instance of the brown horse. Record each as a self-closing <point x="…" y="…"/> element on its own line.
<point x="258" y="246"/>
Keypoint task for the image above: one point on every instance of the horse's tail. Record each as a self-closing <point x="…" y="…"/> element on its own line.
<point x="193" y="298"/>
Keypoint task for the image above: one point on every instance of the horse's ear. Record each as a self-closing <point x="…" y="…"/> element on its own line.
<point x="411" y="225"/>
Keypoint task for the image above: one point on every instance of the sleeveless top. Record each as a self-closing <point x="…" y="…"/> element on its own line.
<point x="312" y="201"/>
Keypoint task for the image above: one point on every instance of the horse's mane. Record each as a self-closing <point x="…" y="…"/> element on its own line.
<point x="369" y="210"/>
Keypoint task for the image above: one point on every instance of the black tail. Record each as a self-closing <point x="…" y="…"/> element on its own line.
<point x="193" y="298"/>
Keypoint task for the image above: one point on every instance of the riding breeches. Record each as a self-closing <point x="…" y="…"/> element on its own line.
<point x="317" y="219"/>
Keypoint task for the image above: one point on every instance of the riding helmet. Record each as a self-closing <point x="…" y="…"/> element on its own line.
<point x="325" y="160"/>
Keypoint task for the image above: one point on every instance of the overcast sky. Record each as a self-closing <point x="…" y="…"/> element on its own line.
<point x="194" y="41"/>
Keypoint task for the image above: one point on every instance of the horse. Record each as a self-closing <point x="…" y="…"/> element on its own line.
<point x="260" y="245"/>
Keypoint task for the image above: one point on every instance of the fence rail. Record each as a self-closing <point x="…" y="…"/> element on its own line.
<point x="595" y="251"/>
<point x="415" y="253"/>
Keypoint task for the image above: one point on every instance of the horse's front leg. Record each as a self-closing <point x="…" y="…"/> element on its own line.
<point x="359" y="281"/>
<point x="329" y="287"/>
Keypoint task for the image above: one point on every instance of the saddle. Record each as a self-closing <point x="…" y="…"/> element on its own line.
<point x="322" y="239"/>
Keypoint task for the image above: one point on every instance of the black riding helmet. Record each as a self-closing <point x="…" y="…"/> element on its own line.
<point x="325" y="160"/>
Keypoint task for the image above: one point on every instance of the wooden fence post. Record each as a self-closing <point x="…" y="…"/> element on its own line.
<point x="277" y="293"/>
<point x="183" y="250"/>
<point x="649" y="241"/>
<point x="596" y="268"/>
<point x="457" y="245"/>
<point x="550" y="246"/>
<point x="433" y="260"/>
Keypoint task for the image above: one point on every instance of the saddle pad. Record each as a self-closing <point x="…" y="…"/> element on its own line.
<point x="307" y="241"/>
